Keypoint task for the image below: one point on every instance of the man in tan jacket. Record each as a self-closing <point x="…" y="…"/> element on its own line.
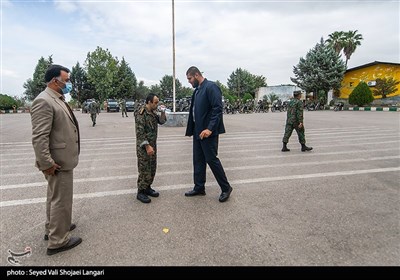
<point x="55" y="140"/>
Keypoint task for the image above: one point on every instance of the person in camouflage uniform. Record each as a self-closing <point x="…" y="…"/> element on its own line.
<point x="122" y="105"/>
<point x="147" y="120"/>
<point x="94" y="110"/>
<point x="294" y="120"/>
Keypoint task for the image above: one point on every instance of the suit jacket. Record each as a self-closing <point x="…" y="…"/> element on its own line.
<point x="55" y="132"/>
<point x="207" y="100"/>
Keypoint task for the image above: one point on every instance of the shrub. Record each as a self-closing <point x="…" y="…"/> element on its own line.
<point x="246" y="97"/>
<point x="361" y="95"/>
<point x="229" y="97"/>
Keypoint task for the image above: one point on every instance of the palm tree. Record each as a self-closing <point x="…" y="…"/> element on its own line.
<point x="336" y="40"/>
<point x="351" y="41"/>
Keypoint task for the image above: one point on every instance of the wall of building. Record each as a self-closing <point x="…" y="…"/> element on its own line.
<point x="284" y="92"/>
<point x="369" y="74"/>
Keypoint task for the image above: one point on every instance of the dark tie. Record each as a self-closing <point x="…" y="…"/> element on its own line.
<point x="75" y="121"/>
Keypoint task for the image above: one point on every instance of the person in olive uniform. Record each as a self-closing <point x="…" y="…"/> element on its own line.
<point x="294" y="121"/>
<point x="94" y="110"/>
<point x="122" y="104"/>
<point x="147" y="120"/>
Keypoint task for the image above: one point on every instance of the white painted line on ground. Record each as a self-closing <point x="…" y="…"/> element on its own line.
<point x="160" y="137"/>
<point x="268" y="139"/>
<point x="133" y="166"/>
<point x="189" y="171"/>
<point x="221" y="150"/>
<point x="236" y="182"/>
<point x="225" y="158"/>
<point x="229" y="136"/>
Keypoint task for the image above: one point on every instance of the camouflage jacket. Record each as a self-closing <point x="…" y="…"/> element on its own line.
<point x="94" y="108"/>
<point x="146" y="127"/>
<point x="295" y="111"/>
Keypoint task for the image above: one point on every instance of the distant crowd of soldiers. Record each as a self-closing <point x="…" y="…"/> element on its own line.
<point x="238" y="106"/>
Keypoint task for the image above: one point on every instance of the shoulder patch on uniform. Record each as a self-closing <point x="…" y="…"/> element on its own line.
<point x="141" y="111"/>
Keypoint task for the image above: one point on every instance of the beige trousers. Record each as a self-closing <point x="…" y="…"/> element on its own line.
<point x="59" y="208"/>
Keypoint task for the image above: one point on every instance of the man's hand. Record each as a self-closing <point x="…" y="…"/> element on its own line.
<point x="300" y="125"/>
<point x="205" y="134"/>
<point x="52" y="170"/>
<point x="149" y="150"/>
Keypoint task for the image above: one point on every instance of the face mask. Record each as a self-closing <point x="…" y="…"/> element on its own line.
<point x="68" y="88"/>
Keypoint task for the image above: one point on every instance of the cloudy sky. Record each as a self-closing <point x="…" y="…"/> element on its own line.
<point x="264" y="37"/>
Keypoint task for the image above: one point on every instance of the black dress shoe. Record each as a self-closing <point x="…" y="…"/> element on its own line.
<point x="194" y="192"/>
<point x="72" y="227"/>
<point x="225" y="195"/>
<point x="143" y="197"/>
<point x="149" y="191"/>
<point x="73" y="242"/>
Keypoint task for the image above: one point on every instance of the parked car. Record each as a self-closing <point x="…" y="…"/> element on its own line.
<point x="113" y="105"/>
<point x="85" y="105"/>
<point x="130" y="105"/>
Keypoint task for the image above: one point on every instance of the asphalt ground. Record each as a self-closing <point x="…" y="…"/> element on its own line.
<point x="337" y="205"/>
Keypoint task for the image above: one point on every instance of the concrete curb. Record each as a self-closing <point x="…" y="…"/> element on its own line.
<point x="383" y="109"/>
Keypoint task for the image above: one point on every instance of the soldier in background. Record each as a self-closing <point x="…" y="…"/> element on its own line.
<point x="122" y="105"/>
<point x="105" y="105"/>
<point x="94" y="110"/>
<point x="294" y="121"/>
<point x="147" y="120"/>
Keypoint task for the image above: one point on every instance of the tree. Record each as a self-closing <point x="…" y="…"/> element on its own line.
<point x="126" y="82"/>
<point x="142" y="91"/>
<point x="156" y="89"/>
<point x="322" y="69"/>
<point x="272" y="97"/>
<point x="350" y="42"/>
<point x="242" y="81"/>
<point x="37" y="84"/>
<point x="7" y="102"/>
<point x="82" y="89"/>
<point x="166" y="86"/>
<point x="346" y="41"/>
<point x="385" y="86"/>
<point x="20" y="101"/>
<point x="184" y="92"/>
<point x="336" y="40"/>
<point x="361" y="95"/>
<point x="102" y="69"/>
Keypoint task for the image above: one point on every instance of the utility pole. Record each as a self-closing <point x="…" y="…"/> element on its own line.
<point x="173" y="55"/>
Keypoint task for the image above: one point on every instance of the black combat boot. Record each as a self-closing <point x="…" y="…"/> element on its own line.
<point x="143" y="197"/>
<point x="285" y="148"/>
<point x="304" y="148"/>
<point x="151" y="192"/>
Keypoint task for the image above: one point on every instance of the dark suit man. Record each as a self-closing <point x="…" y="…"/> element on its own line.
<point x="55" y="140"/>
<point x="205" y="124"/>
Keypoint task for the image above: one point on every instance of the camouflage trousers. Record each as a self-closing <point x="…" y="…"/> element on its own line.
<point x="93" y="117"/>
<point x="147" y="166"/>
<point x="123" y="111"/>
<point x="288" y="132"/>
